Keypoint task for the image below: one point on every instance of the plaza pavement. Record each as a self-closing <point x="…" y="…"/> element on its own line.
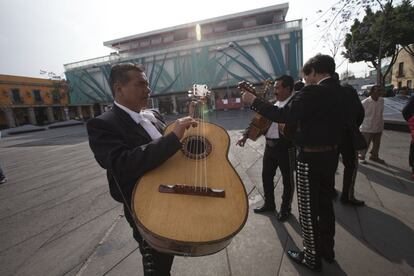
<point x="57" y="217"/>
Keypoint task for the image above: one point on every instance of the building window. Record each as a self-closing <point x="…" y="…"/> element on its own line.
<point x="278" y="17"/>
<point x="401" y="69"/>
<point x="156" y="41"/>
<point x="249" y="23"/>
<point x="180" y="35"/>
<point x="264" y="19"/>
<point x="144" y="43"/>
<point x="168" y="38"/>
<point x="220" y="27"/>
<point x="410" y="84"/>
<point x="55" y="96"/>
<point x="234" y="25"/>
<point x="37" y="97"/>
<point x="16" y="96"/>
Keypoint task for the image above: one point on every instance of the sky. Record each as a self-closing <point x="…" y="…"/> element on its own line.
<point x="46" y="34"/>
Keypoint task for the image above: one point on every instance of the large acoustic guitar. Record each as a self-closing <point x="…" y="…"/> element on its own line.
<point x="195" y="202"/>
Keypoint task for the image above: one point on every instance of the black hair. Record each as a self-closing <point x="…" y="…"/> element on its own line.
<point x="287" y="81"/>
<point x="298" y="85"/>
<point x="319" y="64"/>
<point x="119" y="73"/>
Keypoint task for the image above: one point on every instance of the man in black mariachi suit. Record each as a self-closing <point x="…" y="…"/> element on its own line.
<point x="351" y="142"/>
<point x="319" y="116"/>
<point x="127" y="141"/>
<point x="279" y="152"/>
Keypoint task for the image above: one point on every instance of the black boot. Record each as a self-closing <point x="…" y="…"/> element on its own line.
<point x="299" y="257"/>
<point x="284" y="213"/>
<point x="265" y="208"/>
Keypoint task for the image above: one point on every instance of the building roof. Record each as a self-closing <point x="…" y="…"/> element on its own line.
<point x="21" y="80"/>
<point x="280" y="7"/>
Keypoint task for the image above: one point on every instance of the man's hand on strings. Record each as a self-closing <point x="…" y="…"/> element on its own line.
<point x="182" y="124"/>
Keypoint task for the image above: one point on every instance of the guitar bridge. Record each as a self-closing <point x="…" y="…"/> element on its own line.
<point x="191" y="190"/>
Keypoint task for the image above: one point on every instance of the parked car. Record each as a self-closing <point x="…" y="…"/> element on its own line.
<point x="365" y="90"/>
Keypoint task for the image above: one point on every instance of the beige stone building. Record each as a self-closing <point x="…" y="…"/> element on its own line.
<point x="403" y="70"/>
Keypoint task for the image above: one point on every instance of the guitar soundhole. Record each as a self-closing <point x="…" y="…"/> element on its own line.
<point x="196" y="147"/>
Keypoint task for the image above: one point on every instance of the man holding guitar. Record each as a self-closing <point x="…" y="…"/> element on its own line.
<point x="279" y="152"/>
<point x="127" y="142"/>
<point x="319" y="116"/>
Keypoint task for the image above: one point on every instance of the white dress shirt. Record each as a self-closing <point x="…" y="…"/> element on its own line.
<point x="373" y="120"/>
<point x="144" y="118"/>
<point x="273" y="131"/>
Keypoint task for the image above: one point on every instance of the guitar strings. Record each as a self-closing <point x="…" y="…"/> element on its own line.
<point x="205" y="146"/>
<point x="199" y="148"/>
<point x="195" y="148"/>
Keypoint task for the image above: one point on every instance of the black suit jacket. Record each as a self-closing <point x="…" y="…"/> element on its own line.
<point x="316" y="110"/>
<point x="354" y="114"/>
<point x="408" y="109"/>
<point x="126" y="151"/>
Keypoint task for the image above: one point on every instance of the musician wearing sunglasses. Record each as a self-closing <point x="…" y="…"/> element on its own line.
<point x="279" y="153"/>
<point x="319" y="116"/>
<point x="128" y="141"/>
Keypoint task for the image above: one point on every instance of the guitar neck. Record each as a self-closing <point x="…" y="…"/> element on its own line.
<point x="198" y="109"/>
<point x="249" y="88"/>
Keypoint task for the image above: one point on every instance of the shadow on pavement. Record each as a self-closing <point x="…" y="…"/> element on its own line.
<point x="390" y="237"/>
<point x="381" y="232"/>
<point x="387" y="180"/>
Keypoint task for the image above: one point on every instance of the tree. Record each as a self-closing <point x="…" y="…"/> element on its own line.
<point x="377" y="36"/>
<point x="404" y="17"/>
<point x="336" y="21"/>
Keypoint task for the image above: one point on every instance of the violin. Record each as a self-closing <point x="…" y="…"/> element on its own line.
<point x="259" y="124"/>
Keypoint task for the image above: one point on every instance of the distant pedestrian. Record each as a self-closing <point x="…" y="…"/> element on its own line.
<point x="3" y="178"/>
<point x="408" y="112"/>
<point x="373" y="124"/>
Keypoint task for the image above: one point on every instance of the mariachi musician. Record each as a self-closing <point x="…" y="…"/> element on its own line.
<point x="127" y="142"/>
<point x="279" y="153"/>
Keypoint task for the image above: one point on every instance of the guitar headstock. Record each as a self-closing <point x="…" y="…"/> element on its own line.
<point x="246" y="86"/>
<point x="266" y="85"/>
<point x="200" y="91"/>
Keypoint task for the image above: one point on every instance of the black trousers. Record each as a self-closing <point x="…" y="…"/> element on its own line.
<point x="283" y="157"/>
<point x="315" y="180"/>
<point x="155" y="263"/>
<point x="350" y="161"/>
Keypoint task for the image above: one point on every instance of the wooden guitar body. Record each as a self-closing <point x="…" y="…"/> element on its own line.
<point x="258" y="126"/>
<point x="208" y="204"/>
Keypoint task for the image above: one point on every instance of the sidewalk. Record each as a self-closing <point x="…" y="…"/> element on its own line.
<point x="57" y="217"/>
